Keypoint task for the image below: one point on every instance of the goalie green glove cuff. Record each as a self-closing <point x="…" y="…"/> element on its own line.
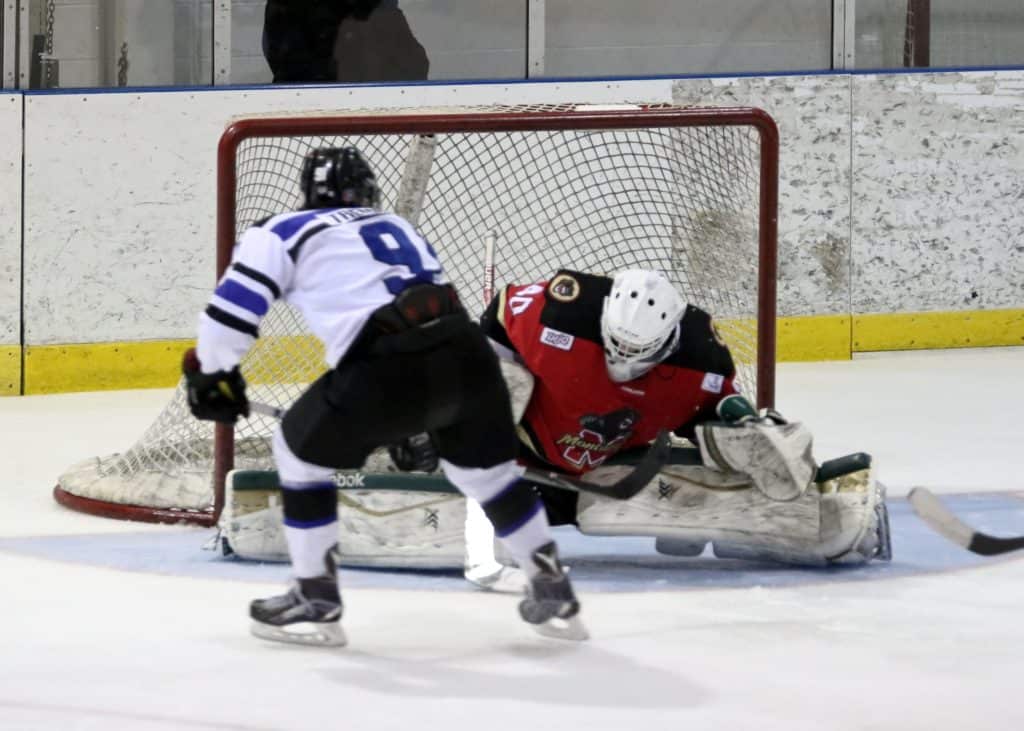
<point x="737" y="409"/>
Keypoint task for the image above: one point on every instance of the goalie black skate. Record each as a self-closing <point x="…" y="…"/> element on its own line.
<point x="308" y="614"/>
<point x="550" y="605"/>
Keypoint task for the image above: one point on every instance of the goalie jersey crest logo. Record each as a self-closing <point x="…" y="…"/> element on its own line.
<point x="564" y="288"/>
<point x="600" y="436"/>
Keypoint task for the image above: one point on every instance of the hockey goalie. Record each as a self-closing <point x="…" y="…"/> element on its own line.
<point x="596" y="367"/>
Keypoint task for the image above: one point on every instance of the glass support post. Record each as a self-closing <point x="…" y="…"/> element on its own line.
<point x="844" y="34"/>
<point x="10" y="44"/>
<point x="535" y="50"/>
<point x="221" y="42"/>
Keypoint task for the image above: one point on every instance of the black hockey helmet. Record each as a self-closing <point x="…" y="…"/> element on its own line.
<point x="338" y="177"/>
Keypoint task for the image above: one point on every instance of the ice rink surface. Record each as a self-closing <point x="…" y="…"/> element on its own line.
<point x="108" y="625"/>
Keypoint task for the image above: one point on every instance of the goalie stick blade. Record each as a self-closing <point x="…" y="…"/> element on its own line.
<point x="931" y="510"/>
<point x="986" y="545"/>
<point x="642" y="473"/>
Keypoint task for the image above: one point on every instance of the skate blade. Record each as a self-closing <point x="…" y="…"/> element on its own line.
<point x="310" y="634"/>
<point x="497" y="578"/>
<point x="571" y="629"/>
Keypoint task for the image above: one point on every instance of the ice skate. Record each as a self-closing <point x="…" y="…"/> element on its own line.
<point x="550" y="605"/>
<point x="308" y="614"/>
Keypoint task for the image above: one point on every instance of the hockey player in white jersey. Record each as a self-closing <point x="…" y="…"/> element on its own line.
<point x="403" y="357"/>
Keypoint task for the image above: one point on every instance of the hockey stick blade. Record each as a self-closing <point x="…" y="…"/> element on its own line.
<point x="266" y="410"/>
<point x="646" y="469"/>
<point x="931" y="510"/>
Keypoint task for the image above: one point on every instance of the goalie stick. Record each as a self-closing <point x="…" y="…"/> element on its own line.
<point x="645" y="470"/>
<point x="931" y="510"/>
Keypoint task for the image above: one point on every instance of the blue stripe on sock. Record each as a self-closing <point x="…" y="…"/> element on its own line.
<point x="504" y="491"/>
<point x="291" y="523"/>
<point x="513" y="527"/>
<point x="322" y="485"/>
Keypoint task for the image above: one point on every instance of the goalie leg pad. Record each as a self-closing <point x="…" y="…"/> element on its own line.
<point x="854" y="519"/>
<point x="841" y="520"/>
<point x="399" y="528"/>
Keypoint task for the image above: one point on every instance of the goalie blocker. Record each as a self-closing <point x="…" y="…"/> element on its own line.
<point x="387" y="519"/>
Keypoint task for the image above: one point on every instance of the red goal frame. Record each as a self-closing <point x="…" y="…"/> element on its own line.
<point x="463" y="121"/>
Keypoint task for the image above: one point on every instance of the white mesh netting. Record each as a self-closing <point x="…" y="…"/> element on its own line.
<point x="684" y="200"/>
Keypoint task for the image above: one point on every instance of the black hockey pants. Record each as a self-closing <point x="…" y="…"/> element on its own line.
<point x="437" y="375"/>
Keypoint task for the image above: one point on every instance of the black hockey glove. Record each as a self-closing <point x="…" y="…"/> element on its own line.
<point x="218" y="396"/>
<point x="415" y="453"/>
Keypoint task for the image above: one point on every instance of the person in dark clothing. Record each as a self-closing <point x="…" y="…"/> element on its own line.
<point x="307" y="41"/>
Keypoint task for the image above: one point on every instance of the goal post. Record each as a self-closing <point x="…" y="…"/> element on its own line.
<point x="505" y="194"/>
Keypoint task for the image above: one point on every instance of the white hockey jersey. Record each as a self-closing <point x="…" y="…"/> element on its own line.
<point x="335" y="265"/>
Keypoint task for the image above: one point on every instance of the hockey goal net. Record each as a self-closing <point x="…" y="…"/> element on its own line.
<point x="508" y="194"/>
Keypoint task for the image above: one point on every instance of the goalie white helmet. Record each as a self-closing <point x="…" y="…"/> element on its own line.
<point x="639" y="323"/>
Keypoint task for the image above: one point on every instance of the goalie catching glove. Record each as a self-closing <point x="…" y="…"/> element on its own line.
<point x="218" y="396"/>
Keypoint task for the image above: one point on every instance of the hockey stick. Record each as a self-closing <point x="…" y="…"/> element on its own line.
<point x="360" y="508"/>
<point x="931" y="510"/>
<point x="624" y="488"/>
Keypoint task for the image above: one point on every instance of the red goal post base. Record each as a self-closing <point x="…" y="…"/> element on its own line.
<point x="137" y="513"/>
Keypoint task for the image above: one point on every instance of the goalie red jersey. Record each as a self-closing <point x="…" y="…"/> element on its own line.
<point x="578" y="416"/>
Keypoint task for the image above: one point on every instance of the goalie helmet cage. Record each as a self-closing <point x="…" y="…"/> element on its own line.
<point x="521" y="191"/>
